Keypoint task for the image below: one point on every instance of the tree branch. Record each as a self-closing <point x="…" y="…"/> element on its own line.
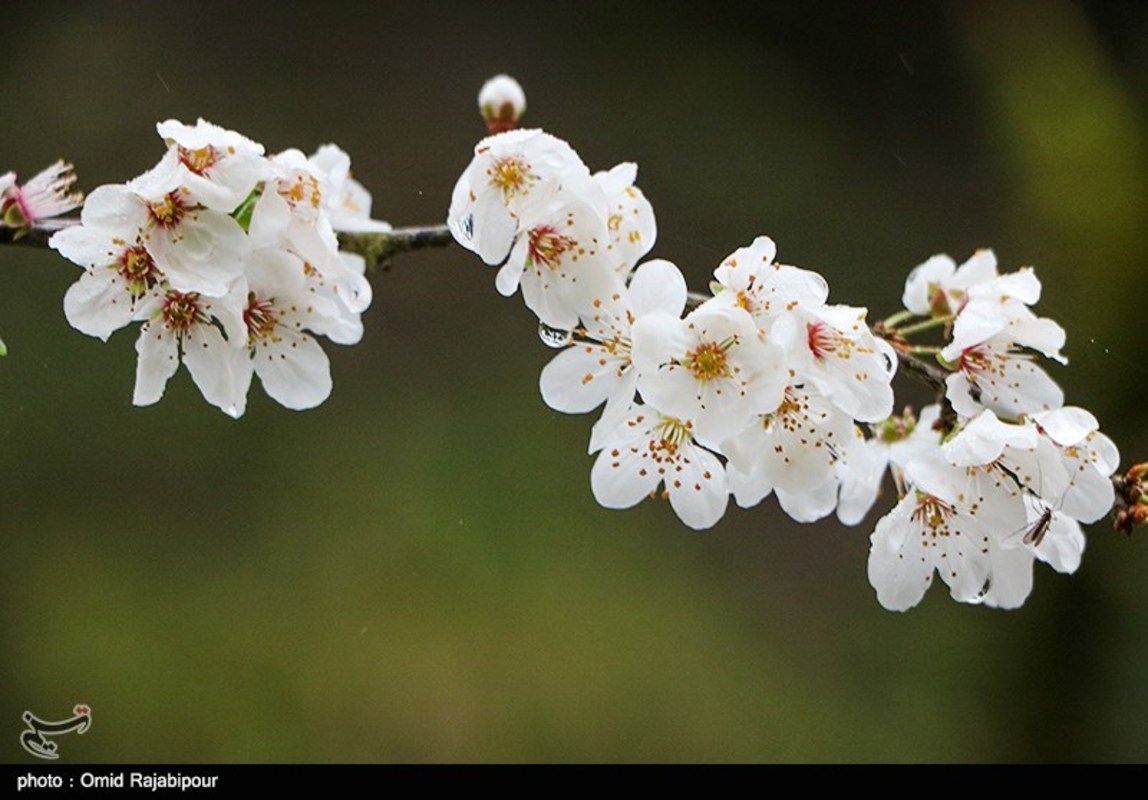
<point x="376" y="248"/>
<point x="34" y="235"/>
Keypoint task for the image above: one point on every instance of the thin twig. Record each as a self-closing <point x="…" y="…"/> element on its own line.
<point x="34" y="235"/>
<point x="378" y="248"/>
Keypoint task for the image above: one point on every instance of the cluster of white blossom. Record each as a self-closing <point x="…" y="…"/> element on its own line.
<point x="755" y="391"/>
<point x="766" y="388"/>
<point x="1006" y="473"/>
<point x="229" y="259"/>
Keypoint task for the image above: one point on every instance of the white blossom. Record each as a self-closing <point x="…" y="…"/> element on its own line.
<point x="650" y="449"/>
<point x="509" y="172"/>
<point x="834" y="348"/>
<point x="939" y="288"/>
<point x="598" y="367"/>
<point x="750" y="279"/>
<point x="346" y="201"/>
<point x="47" y="194"/>
<point x="791" y="451"/>
<point x="215" y="167"/>
<point x="714" y="367"/>
<point x="559" y="260"/>
<point x="187" y="327"/>
<point x="629" y="218"/>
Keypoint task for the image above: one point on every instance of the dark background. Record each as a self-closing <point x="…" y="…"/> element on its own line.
<point x="417" y="571"/>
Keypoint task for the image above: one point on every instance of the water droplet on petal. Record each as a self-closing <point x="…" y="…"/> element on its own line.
<point x="554" y="337"/>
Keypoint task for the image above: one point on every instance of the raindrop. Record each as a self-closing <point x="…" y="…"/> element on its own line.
<point x="554" y="337"/>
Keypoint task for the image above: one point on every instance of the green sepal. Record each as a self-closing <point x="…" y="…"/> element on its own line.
<point x="243" y="213"/>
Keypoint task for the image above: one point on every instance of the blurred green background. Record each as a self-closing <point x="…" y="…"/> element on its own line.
<point x="417" y="571"/>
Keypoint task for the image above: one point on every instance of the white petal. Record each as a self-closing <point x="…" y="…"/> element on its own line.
<point x="810" y="504"/>
<point x="98" y="304"/>
<point x="1066" y="426"/>
<point x="218" y="369"/>
<point x="900" y="568"/>
<point x="748" y="489"/>
<point x="860" y="474"/>
<point x="1063" y="544"/>
<point x="114" y="209"/>
<point x="158" y="360"/>
<point x="658" y="285"/>
<point x="204" y="254"/>
<point x="83" y="245"/>
<point x="985" y="438"/>
<point x="925" y="279"/>
<point x="1010" y="582"/>
<point x="617" y="478"/>
<point x="580" y="378"/>
<point x="698" y="494"/>
<point x="294" y="371"/>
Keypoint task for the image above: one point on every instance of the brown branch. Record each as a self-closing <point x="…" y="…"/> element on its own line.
<point x="930" y="374"/>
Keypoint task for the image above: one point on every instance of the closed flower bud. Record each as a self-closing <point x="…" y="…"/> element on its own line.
<point x="501" y="101"/>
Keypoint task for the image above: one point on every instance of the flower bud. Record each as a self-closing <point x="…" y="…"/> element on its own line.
<point x="501" y="101"/>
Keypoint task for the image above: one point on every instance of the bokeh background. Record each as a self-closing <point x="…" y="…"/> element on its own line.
<point x="417" y="571"/>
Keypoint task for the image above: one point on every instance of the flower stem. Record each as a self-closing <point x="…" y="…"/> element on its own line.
<point x="896" y="319"/>
<point x="929" y="324"/>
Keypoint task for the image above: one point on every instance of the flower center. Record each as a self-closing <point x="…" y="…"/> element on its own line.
<point x="824" y="341"/>
<point x="672" y="432"/>
<point x="547" y="245"/>
<point x="933" y="513"/>
<point x="790" y="405"/>
<point x="939" y="301"/>
<point x="138" y="269"/>
<point x="510" y="176"/>
<point x="975" y="360"/>
<point x="302" y="191"/>
<point x="710" y="361"/>
<point x="181" y="311"/>
<point x="168" y="212"/>
<point x="199" y="161"/>
<point x="261" y="317"/>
